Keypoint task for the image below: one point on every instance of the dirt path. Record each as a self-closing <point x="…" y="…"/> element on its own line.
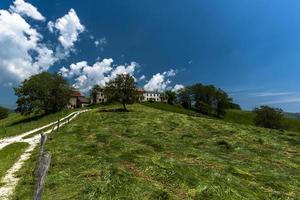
<point x="10" y="180"/>
<point x="9" y="140"/>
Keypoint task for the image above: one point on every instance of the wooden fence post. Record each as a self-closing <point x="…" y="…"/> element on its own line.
<point x="43" y="166"/>
<point x="58" y="125"/>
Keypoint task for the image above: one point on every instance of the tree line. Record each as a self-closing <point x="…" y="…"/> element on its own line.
<point x="48" y="93"/>
<point x="206" y="99"/>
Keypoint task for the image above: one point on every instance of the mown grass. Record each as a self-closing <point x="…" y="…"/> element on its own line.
<point x="233" y="116"/>
<point x="246" y="117"/>
<point x="152" y="154"/>
<point x="172" y="108"/>
<point x="9" y="155"/>
<point x="16" y="124"/>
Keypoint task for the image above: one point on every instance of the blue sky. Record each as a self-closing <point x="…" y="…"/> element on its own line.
<point x="250" y="48"/>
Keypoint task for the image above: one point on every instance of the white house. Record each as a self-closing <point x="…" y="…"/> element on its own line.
<point x="144" y="96"/>
<point x="151" y="96"/>
<point x="100" y="98"/>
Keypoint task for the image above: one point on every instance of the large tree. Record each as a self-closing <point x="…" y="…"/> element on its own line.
<point x="268" y="117"/>
<point x="171" y="96"/>
<point x="44" y="92"/>
<point x="95" y="92"/>
<point x="122" y="89"/>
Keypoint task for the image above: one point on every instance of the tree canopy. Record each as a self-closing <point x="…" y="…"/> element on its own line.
<point x="268" y="117"/>
<point x="44" y="92"/>
<point x="94" y="93"/>
<point x="170" y="96"/>
<point x="122" y="89"/>
<point x="207" y="99"/>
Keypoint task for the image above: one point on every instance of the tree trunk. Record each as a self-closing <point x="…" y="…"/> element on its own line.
<point x="124" y="107"/>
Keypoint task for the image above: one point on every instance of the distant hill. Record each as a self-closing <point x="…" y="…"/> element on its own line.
<point x="11" y="108"/>
<point x="292" y="115"/>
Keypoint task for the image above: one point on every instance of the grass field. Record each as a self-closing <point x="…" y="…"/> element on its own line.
<point x="172" y="108"/>
<point x="246" y="117"/>
<point x="152" y="154"/>
<point x="233" y="116"/>
<point x="9" y="155"/>
<point x="16" y="124"/>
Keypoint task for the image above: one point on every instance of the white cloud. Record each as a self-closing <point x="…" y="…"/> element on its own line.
<point x="177" y="87"/>
<point x="159" y="82"/>
<point x="24" y="8"/>
<point x="97" y="43"/>
<point x="69" y="28"/>
<point x="100" y="42"/>
<point x="24" y="53"/>
<point x="142" y="77"/>
<point x="99" y="73"/>
<point x="284" y="100"/>
<point x="271" y="94"/>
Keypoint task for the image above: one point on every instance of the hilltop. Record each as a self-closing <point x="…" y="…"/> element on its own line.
<point x="149" y="153"/>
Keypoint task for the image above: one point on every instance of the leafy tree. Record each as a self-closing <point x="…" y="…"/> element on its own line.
<point x="184" y="98"/>
<point x="234" y="106"/>
<point x="44" y="92"/>
<point x="171" y="96"/>
<point x="207" y="99"/>
<point x="94" y="93"/>
<point x="222" y="101"/>
<point x="3" y="112"/>
<point x="122" y="89"/>
<point x="268" y="117"/>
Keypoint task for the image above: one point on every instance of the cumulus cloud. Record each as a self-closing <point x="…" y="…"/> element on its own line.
<point x="85" y="76"/>
<point x="177" y="87"/>
<point x="26" y="9"/>
<point x="159" y="82"/>
<point x="69" y="28"/>
<point x="24" y="53"/>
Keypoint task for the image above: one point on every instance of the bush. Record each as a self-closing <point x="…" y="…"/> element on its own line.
<point x="3" y="113"/>
<point x="268" y="117"/>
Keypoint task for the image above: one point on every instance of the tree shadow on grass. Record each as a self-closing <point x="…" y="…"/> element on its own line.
<point x="28" y="119"/>
<point x="114" y="110"/>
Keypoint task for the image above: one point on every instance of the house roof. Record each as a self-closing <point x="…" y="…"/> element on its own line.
<point x="76" y="94"/>
<point x="140" y="90"/>
<point x="83" y="100"/>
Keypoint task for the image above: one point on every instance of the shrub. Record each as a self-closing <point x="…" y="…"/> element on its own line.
<point x="268" y="117"/>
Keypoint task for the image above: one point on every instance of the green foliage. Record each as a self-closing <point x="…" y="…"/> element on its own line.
<point x="171" y="96"/>
<point x="268" y="117"/>
<point x="207" y="99"/>
<point x="153" y="154"/>
<point x="94" y="92"/>
<point x="234" y="106"/>
<point x="3" y="113"/>
<point x="184" y="98"/>
<point x="44" y="92"/>
<point x="122" y="89"/>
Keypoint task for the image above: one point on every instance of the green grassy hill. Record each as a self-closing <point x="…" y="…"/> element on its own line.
<point x="149" y="153"/>
<point x="246" y="117"/>
<point x="233" y="116"/>
<point x="16" y="124"/>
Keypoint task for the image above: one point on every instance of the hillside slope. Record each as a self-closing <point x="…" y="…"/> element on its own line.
<point x="152" y="154"/>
